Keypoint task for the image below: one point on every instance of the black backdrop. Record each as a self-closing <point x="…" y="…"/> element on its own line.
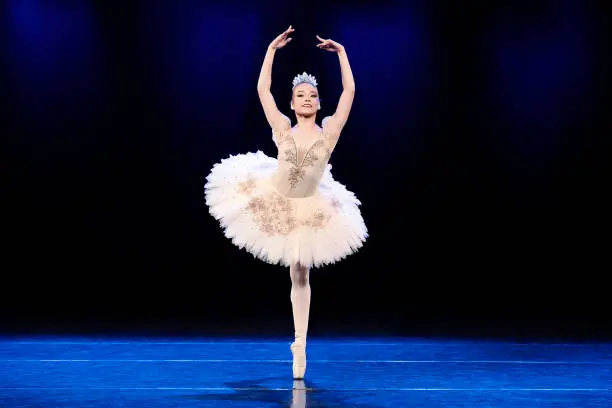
<point x="482" y="179"/>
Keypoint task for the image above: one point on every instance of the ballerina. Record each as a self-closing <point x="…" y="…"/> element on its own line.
<point x="289" y="210"/>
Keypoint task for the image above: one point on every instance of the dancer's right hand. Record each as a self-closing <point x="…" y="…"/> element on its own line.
<point x="282" y="40"/>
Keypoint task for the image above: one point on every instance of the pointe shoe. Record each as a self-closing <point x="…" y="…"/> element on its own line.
<point x="299" y="360"/>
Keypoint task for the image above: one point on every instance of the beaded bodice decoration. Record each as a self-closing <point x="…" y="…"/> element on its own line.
<point x="300" y="168"/>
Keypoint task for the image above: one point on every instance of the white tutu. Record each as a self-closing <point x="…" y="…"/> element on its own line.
<point x="313" y="231"/>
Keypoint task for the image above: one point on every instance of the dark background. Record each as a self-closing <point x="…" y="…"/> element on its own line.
<point x="477" y="144"/>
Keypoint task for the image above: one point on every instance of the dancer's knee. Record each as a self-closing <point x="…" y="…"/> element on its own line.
<point x="299" y="275"/>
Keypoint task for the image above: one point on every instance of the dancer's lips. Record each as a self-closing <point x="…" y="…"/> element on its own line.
<point x="307" y="105"/>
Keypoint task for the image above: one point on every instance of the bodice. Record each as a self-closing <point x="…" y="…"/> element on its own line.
<point x="300" y="168"/>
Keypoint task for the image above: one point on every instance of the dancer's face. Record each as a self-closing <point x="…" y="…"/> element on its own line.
<point x="305" y="100"/>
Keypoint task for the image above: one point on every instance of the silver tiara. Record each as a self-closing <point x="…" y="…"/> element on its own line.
<point x="304" y="78"/>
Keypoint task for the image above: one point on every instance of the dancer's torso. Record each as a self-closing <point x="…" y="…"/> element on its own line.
<point x="300" y="166"/>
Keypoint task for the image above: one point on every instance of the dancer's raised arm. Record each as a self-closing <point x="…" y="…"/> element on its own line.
<point x="339" y="118"/>
<point x="275" y="118"/>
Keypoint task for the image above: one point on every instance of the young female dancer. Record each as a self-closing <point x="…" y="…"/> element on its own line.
<point x="289" y="210"/>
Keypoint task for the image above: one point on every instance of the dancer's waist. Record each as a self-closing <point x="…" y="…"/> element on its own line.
<point x="304" y="188"/>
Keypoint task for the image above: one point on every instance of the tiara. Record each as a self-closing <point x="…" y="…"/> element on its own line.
<point x="304" y="78"/>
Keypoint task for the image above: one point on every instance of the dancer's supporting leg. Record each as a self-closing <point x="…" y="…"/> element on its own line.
<point x="300" y="302"/>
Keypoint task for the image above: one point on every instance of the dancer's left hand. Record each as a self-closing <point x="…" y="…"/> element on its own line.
<point x="329" y="45"/>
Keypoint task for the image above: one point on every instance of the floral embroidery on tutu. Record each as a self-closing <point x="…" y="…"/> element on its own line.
<point x="275" y="215"/>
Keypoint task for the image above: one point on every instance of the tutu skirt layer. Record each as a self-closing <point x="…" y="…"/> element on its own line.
<point x="313" y="231"/>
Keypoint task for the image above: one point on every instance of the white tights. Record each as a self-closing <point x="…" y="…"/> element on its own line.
<point x="300" y="301"/>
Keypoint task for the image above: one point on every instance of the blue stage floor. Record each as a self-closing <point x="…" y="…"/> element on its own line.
<point x="361" y="373"/>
